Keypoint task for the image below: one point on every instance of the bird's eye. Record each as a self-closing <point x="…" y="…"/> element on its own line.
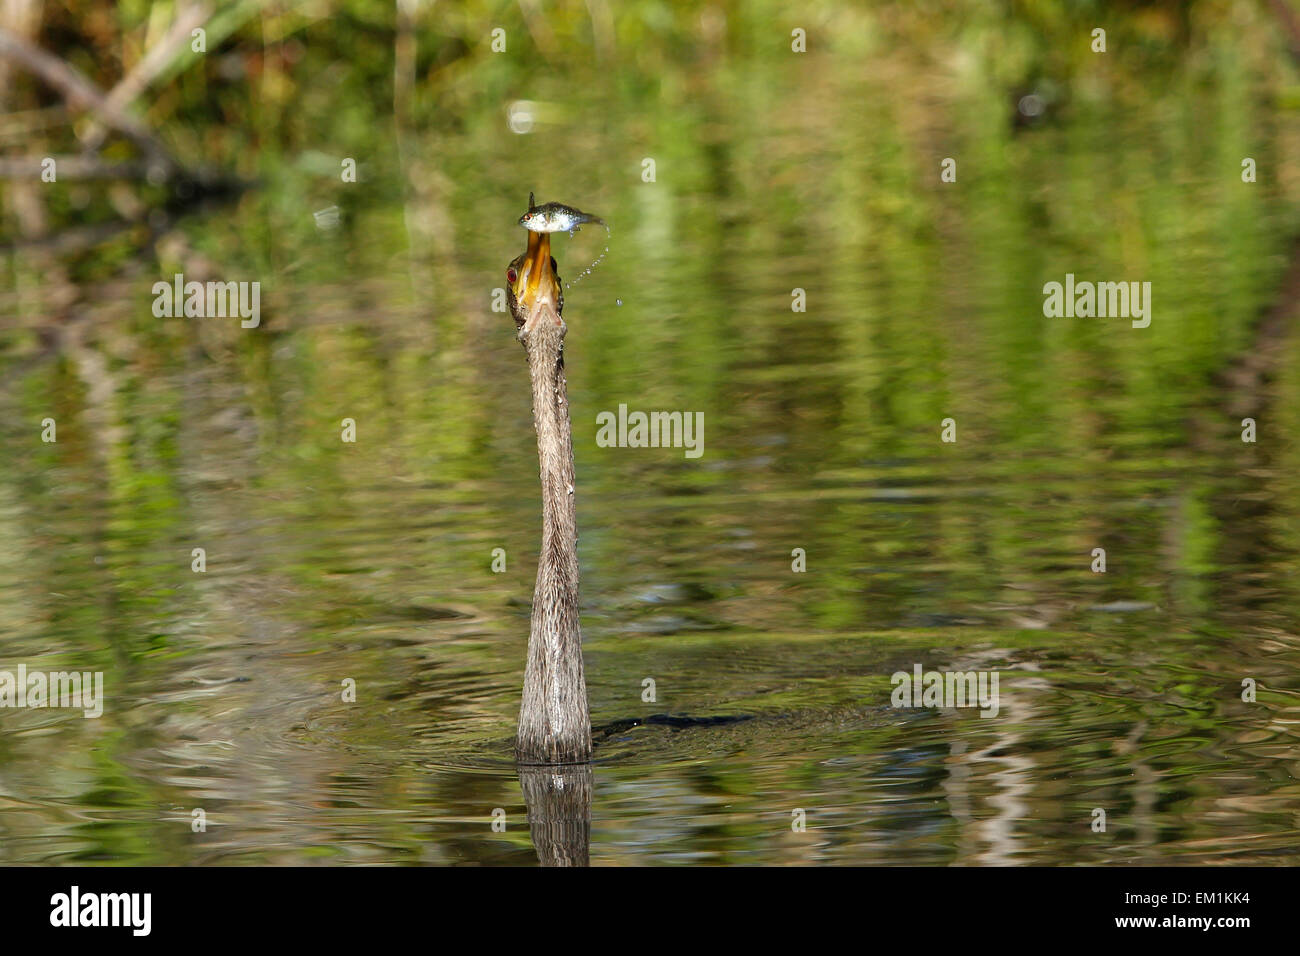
<point x="511" y="274"/>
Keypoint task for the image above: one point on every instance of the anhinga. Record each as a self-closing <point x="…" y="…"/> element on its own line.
<point x="554" y="724"/>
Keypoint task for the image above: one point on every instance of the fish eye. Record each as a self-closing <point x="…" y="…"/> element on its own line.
<point x="511" y="274"/>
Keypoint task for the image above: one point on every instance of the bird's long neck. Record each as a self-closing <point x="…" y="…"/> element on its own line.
<point x="554" y="723"/>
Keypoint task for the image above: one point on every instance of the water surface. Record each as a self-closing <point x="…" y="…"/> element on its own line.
<point x="372" y="561"/>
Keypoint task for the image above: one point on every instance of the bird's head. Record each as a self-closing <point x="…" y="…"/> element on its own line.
<point x="533" y="289"/>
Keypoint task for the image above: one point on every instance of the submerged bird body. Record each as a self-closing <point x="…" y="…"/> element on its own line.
<point x="555" y="217"/>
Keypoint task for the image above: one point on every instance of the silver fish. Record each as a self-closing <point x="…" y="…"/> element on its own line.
<point x="555" y="217"/>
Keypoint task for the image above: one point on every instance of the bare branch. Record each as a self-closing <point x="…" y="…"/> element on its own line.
<point x="71" y="167"/>
<point x="81" y="93"/>
<point x="157" y="59"/>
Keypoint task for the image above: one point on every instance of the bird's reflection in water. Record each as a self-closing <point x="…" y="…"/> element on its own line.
<point x="558" y="799"/>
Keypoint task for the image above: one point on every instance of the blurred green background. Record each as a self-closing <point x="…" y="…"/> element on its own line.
<point x="774" y="171"/>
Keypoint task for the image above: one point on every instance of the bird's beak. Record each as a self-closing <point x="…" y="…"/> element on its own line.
<point x="537" y="283"/>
